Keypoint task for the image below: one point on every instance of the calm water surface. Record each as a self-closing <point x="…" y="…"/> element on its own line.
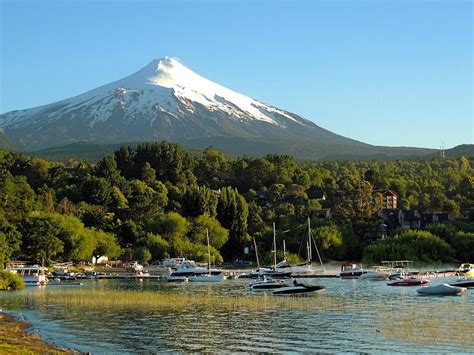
<point x="364" y="316"/>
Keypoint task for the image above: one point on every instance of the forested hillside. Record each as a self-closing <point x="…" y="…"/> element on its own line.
<point x="155" y="200"/>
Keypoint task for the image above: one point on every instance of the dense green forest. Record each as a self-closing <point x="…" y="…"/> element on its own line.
<point x="155" y="200"/>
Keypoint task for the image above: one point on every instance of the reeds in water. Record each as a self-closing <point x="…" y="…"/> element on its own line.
<point x="156" y="300"/>
<point x="447" y="324"/>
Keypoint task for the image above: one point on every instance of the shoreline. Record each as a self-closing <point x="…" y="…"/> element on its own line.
<point x="15" y="338"/>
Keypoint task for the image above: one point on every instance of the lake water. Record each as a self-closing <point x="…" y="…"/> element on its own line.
<point x="349" y="316"/>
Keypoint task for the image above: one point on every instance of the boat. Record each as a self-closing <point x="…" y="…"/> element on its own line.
<point x="267" y="284"/>
<point x="32" y="275"/>
<point x="374" y="275"/>
<point x="269" y="271"/>
<point x="171" y="278"/>
<point x="172" y="263"/>
<point x="304" y="269"/>
<point x="463" y="283"/>
<point x="208" y="276"/>
<point x="297" y="289"/>
<point x="190" y="268"/>
<point x="163" y="270"/>
<point x="466" y="270"/>
<point x="441" y="290"/>
<point x="351" y="271"/>
<point x="410" y="281"/>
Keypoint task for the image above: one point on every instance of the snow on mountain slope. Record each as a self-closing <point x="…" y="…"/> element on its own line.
<point x="155" y="83"/>
<point x="163" y="100"/>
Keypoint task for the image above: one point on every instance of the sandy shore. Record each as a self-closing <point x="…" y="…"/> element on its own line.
<point x="14" y="339"/>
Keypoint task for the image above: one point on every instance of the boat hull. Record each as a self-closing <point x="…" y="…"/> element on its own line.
<point x="463" y="283"/>
<point x="409" y="282"/>
<point x="297" y="290"/>
<point x="441" y="290"/>
<point x="206" y="278"/>
<point x="177" y="278"/>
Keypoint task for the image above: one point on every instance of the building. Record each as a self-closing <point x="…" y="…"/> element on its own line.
<point x="390" y="200"/>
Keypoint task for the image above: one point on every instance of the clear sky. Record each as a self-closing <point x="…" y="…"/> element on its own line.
<point x="383" y="72"/>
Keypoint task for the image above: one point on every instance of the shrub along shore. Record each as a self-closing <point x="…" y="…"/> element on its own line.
<point x="14" y="338"/>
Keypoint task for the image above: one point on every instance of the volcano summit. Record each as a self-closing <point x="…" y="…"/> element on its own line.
<point x="167" y="100"/>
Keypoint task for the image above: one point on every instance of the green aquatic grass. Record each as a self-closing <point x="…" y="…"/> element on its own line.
<point x="444" y="325"/>
<point x="155" y="300"/>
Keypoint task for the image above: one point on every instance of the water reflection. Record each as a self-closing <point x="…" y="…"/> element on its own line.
<point x="350" y="316"/>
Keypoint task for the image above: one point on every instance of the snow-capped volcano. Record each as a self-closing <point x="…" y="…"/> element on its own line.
<point x="163" y="100"/>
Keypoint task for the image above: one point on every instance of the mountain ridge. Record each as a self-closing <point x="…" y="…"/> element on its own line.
<point x="165" y="100"/>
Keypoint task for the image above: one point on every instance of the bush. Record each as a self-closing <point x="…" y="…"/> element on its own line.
<point x="11" y="281"/>
<point x="410" y="245"/>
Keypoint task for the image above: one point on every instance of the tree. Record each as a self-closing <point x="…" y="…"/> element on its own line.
<point x="218" y="235"/>
<point x="171" y="226"/>
<point x="144" y="202"/>
<point x="358" y="206"/>
<point x="10" y="240"/>
<point x="107" y="169"/>
<point x="232" y="213"/>
<point x="157" y="246"/>
<point x="410" y="245"/>
<point x="463" y="244"/>
<point x="328" y="237"/>
<point x="106" y="244"/>
<point x="17" y="198"/>
<point x="198" y="200"/>
<point x="41" y="242"/>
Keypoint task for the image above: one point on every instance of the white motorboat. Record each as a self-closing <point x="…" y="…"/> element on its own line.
<point x="373" y="275"/>
<point x="190" y="268"/>
<point x="208" y="275"/>
<point x="351" y="271"/>
<point x="206" y="278"/>
<point x="32" y="275"/>
<point x="306" y="268"/>
<point x="463" y="283"/>
<point x="163" y="270"/>
<point x="172" y="263"/>
<point x="466" y="270"/>
<point x="171" y="278"/>
<point x="267" y="284"/>
<point x="297" y="289"/>
<point x="268" y="271"/>
<point x="441" y="290"/>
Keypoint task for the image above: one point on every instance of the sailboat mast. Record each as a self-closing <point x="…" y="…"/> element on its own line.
<point x="208" y="252"/>
<point x="310" y="240"/>
<point x="274" y="248"/>
<point x="284" y="249"/>
<point x="256" y="252"/>
<point x="310" y="254"/>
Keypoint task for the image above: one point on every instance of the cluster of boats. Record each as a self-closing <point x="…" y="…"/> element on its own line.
<point x="402" y="276"/>
<point x="275" y="278"/>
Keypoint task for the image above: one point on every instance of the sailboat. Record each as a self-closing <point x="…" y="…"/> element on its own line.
<point x="209" y="276"/>
<point x="302" y="270"/>
<point x="273" y="271"/>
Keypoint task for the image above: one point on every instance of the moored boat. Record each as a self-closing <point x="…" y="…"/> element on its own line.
<point x="411" y="281"/>
<point x="206" y="278"/>
<point x="351" y="271"/>
<point x="463" y="283"/>
<point x="441" y="290"/>
<point x="466" y="270"/>
<point x="297" y="289"/>
<point x="267" y="284"/>
<point x="171" y="278"/>
<point x="32" y="275"/>
<point x="373" y="275"/>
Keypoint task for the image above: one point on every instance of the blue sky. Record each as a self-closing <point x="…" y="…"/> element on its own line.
<point x="384" y="72"/>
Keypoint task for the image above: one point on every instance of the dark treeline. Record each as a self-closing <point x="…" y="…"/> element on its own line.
<point x="157" y="200"/>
